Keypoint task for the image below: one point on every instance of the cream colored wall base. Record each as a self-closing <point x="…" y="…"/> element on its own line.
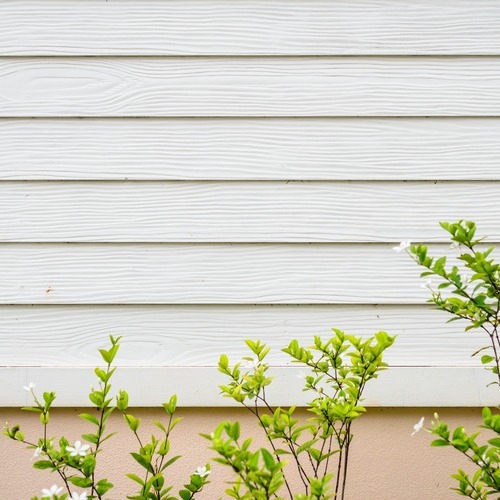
<point x="387" y="462"/>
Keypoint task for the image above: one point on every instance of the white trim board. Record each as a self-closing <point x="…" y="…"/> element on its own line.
<point x="198" y="386"/>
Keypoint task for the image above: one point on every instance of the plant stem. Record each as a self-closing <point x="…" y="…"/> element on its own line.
<point x="100" y="430"/>
<point x="346" y="459"/>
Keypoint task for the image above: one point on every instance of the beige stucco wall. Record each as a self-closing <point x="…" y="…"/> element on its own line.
<point x="387" y="462"/>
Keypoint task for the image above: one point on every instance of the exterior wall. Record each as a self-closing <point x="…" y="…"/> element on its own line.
<point x="225" y="171"/>
<point x="191" y="173"/>
<point x="386" y="462"/>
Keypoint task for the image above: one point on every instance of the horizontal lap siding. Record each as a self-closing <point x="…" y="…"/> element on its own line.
<point x="242" y="211"/>
<point x="251" y="149"/>
<point x="196" y="335"/>
<point x="308" y="86"/>
<point x="208" y="273"/>
<point x="208" y="91"/>
<point x="249" y="27"/>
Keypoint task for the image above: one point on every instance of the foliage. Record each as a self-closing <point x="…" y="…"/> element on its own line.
<point x="469" y="292"/>
<point x="76" y="465"/>
<point x="339" y="369"/>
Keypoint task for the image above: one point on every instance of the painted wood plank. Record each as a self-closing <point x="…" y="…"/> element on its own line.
<point x="197" y="335"/>
<point x="400" y="387"/>
<point x="208" y="273"/>
<point x="251" y="149"/>
<point x="242" y="211"/>
<point x="307" y="86"/>
<point x="180" y="27"/>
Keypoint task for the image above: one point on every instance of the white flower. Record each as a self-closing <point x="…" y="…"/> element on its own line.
<point x="418" y="426"/>
<point x="402" y="246"/>
<point x="81" y="496"/>
<point x="250" y="363"/>
<point x="79" y="450"/>
<point x="37" y="453"/>
<point x="483" y="462"/>
<point x="53" y="490"/>
<point x="427" y="284"/>
<point x="29" y="387"/>
<point x="202" y="471"/>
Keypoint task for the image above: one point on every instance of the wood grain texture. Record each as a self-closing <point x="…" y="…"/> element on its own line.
<point x="242" y="211"/>
<point x="208" y="274"/>
<point x="357" y="86"/>
<point x="180" y="27"/>
<point x="197" y="335"/>
<point x="400" y="386"/>
<point x="251" y="149"/>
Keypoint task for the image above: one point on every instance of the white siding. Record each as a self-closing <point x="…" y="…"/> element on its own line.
<point x="208" y="117"/>
<point x="251" y="149"/>
<point x="196" y="335"/>
<point x="248" y="86"/>
<point x="207" y="273"/>
<point x="249" y="27"/>
<point x="256" y="212"/>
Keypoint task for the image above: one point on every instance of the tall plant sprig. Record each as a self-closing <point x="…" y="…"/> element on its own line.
<point x="76" y="465"/>
<point x="152" y="457"/>
<point x="473" y="292"/>
<point x="470" y="293"/>
<point x="339" y="370"/>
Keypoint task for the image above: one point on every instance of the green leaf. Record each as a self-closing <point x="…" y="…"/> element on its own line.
<point x="43" y="464"/>
<point x="135" y="478"/>
<point x="30" y="408"/>
<point x="494" y="442"/>
<point x="485" y="359"/>
<point x="132" y="422"/>
<point x="143" y="461"/>
<point x="81" y="482"/>
<point x="103" y="486"/>
<point x="89" y="418"/>
<point x="440" y="442"/>
<point x="171" y="405"/>
<point x="486" y="413"/>
<point x="268" y="459"/>
<point x="234" y="431"/>
<point x="91" y="438"/>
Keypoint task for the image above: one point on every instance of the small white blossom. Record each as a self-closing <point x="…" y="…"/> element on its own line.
<point x="81" y="496"/>
<point x="37" y="453"/>
<point x="29" y="387"/>
<point x="418" y="426"/>
<point x="484" y="461"/>
<point x="53" y="490"/>
<point x="250" y="363"/>
<point x="402" y="246"/>
<point x="202" y="471"/>
<point x="79" y="450"/>
<point x="427" y="284"/>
